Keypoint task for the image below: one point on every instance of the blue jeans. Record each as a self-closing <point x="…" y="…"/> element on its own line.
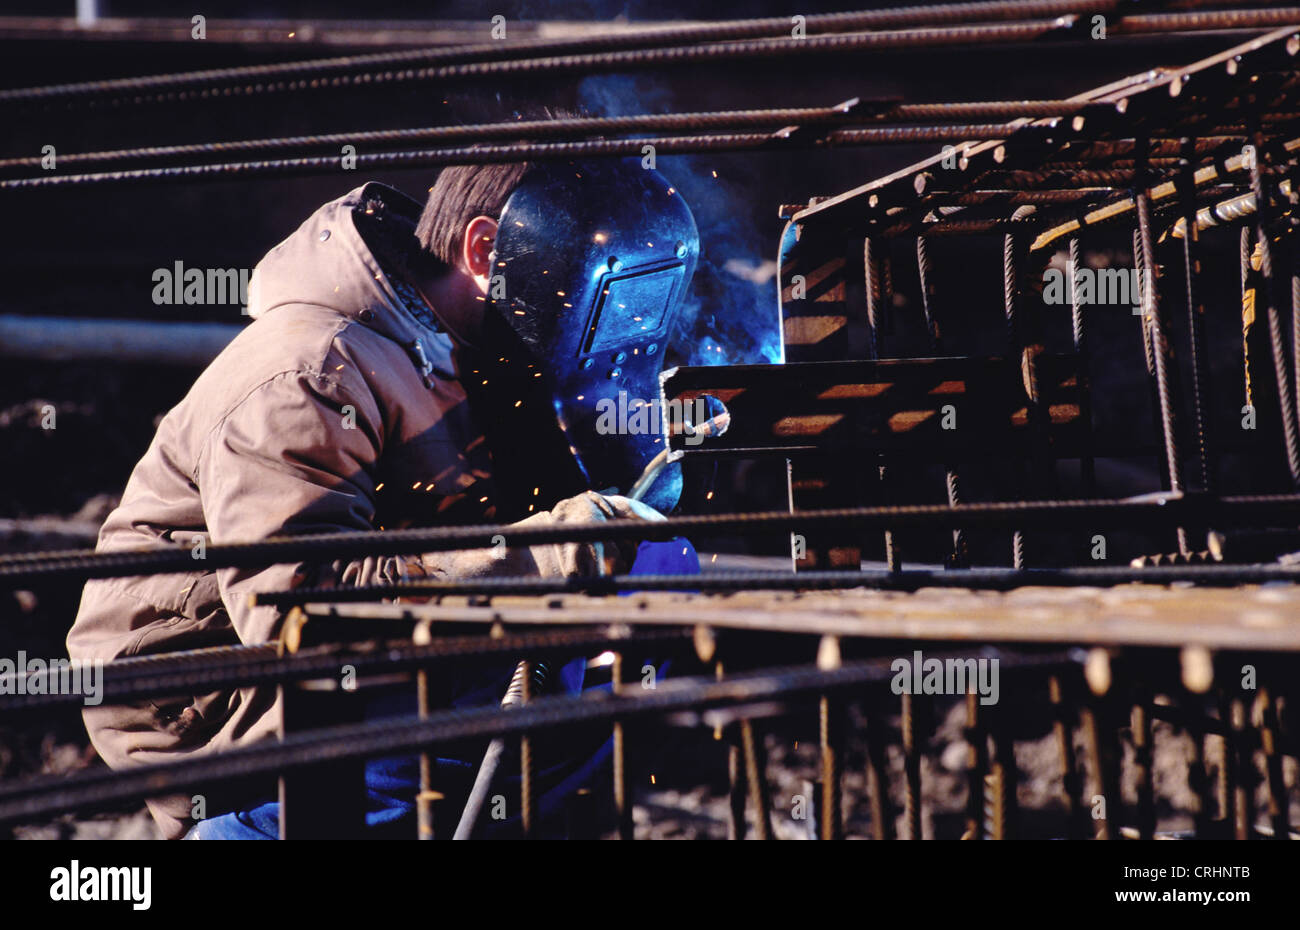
<point x="391" y="783"/>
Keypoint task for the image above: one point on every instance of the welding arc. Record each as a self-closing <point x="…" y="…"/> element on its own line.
<point x="367" y="69"/>
<point x="1163" y="509"/>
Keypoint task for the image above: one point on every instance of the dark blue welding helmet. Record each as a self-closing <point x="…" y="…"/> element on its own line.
<point x="590" y="265"/>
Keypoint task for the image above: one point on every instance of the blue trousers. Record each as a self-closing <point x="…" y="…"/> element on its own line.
<point x="391" y="783"/>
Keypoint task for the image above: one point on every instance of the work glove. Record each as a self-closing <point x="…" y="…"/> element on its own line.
<point x="553" y="559"/>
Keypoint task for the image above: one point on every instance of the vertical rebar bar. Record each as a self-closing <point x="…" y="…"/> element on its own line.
<point x="1002" y="811"/>
<point x="622" y="799"/>
<point x="872" y="261"/>
<point x="912" y="719"/>
<point x="882" y="820"/>
<point x="1010" y="288"/>
<point x="1278" y="802"/>
<point x="959" y="556"/>
<point x="1096" y="764"/>
<point x="527" y="798"/>
<point x="832" y="819"/>
<point x="754" y="774"/>
<point x="1160" y="350"/>
<point x="1268" y="292"/>
<point x="1243" y="769"/>
<point x="427" y="797"/>
<point x="1064" y="733"/>
<point x="1087" y="464"/>
<point x="977" y="767"/>
<point x="1200" y="363"/>
<point x="1143" y="760"/>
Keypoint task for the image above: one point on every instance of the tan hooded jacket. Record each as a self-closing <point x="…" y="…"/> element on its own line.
<point x="341" y="386"/>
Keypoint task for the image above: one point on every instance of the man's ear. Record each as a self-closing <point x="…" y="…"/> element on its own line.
<point x="476" y="249"/>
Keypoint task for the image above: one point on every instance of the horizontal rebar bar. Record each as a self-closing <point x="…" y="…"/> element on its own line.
<point x="901" y="17"/>
<point x="868" y="113"/>
<point x="500" y="60"/>
<point x="520" y="152"/>
<point x="96" y="788"/>
<point x="994" y="579"/>
<point x="201" y="671"/>
<point x="1156" y="510"/>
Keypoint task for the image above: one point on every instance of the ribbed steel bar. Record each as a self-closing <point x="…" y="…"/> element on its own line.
<point x="1160" y="351"/>
<point x="502" y="60"/>
<point x="43" y="797"/>
<point x="298" y="75"/>
<point x="46" y="796"/>
<point x="1079" y="331"/>
<point x="904" y="580"/>
<point x="1154" y="510"/>
<point x="1200" y="363"/>
<point x="243" y="666"/>
<point x="869" y="112"/>
<point x="518" y="152"/>
<point x="1268" y="294"/>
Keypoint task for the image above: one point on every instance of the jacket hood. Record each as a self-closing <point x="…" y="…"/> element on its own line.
<point x="328" y="262"/>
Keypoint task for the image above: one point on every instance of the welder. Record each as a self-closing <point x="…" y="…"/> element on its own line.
<point x="406" y="366"/>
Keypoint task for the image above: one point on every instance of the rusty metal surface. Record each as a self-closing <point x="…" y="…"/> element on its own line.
<point x="1265" y="618"/>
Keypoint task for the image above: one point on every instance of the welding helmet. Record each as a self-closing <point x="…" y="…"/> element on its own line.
<point x="590" y="265"/>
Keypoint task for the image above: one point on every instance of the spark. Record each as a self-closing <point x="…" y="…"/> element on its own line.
<point x="709" y="496"/>
<point x="379" y="486"/>
<point x="518" y="402"/>
<point x="292" y="34"/>
<point x="416" y="486"/>
<point x="517" y="223"/>
<point x="560" y="294"/>
<point x="536" y="491"/>
<point x="483" y="499"/>
<point x="581" y="396"/>
<point x="715" y="174"/>
<point x="652" y="779"/>
<point x="714" y="559"/>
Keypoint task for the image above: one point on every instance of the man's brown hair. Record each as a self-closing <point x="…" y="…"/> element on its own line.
<point x="461" y="193"/>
